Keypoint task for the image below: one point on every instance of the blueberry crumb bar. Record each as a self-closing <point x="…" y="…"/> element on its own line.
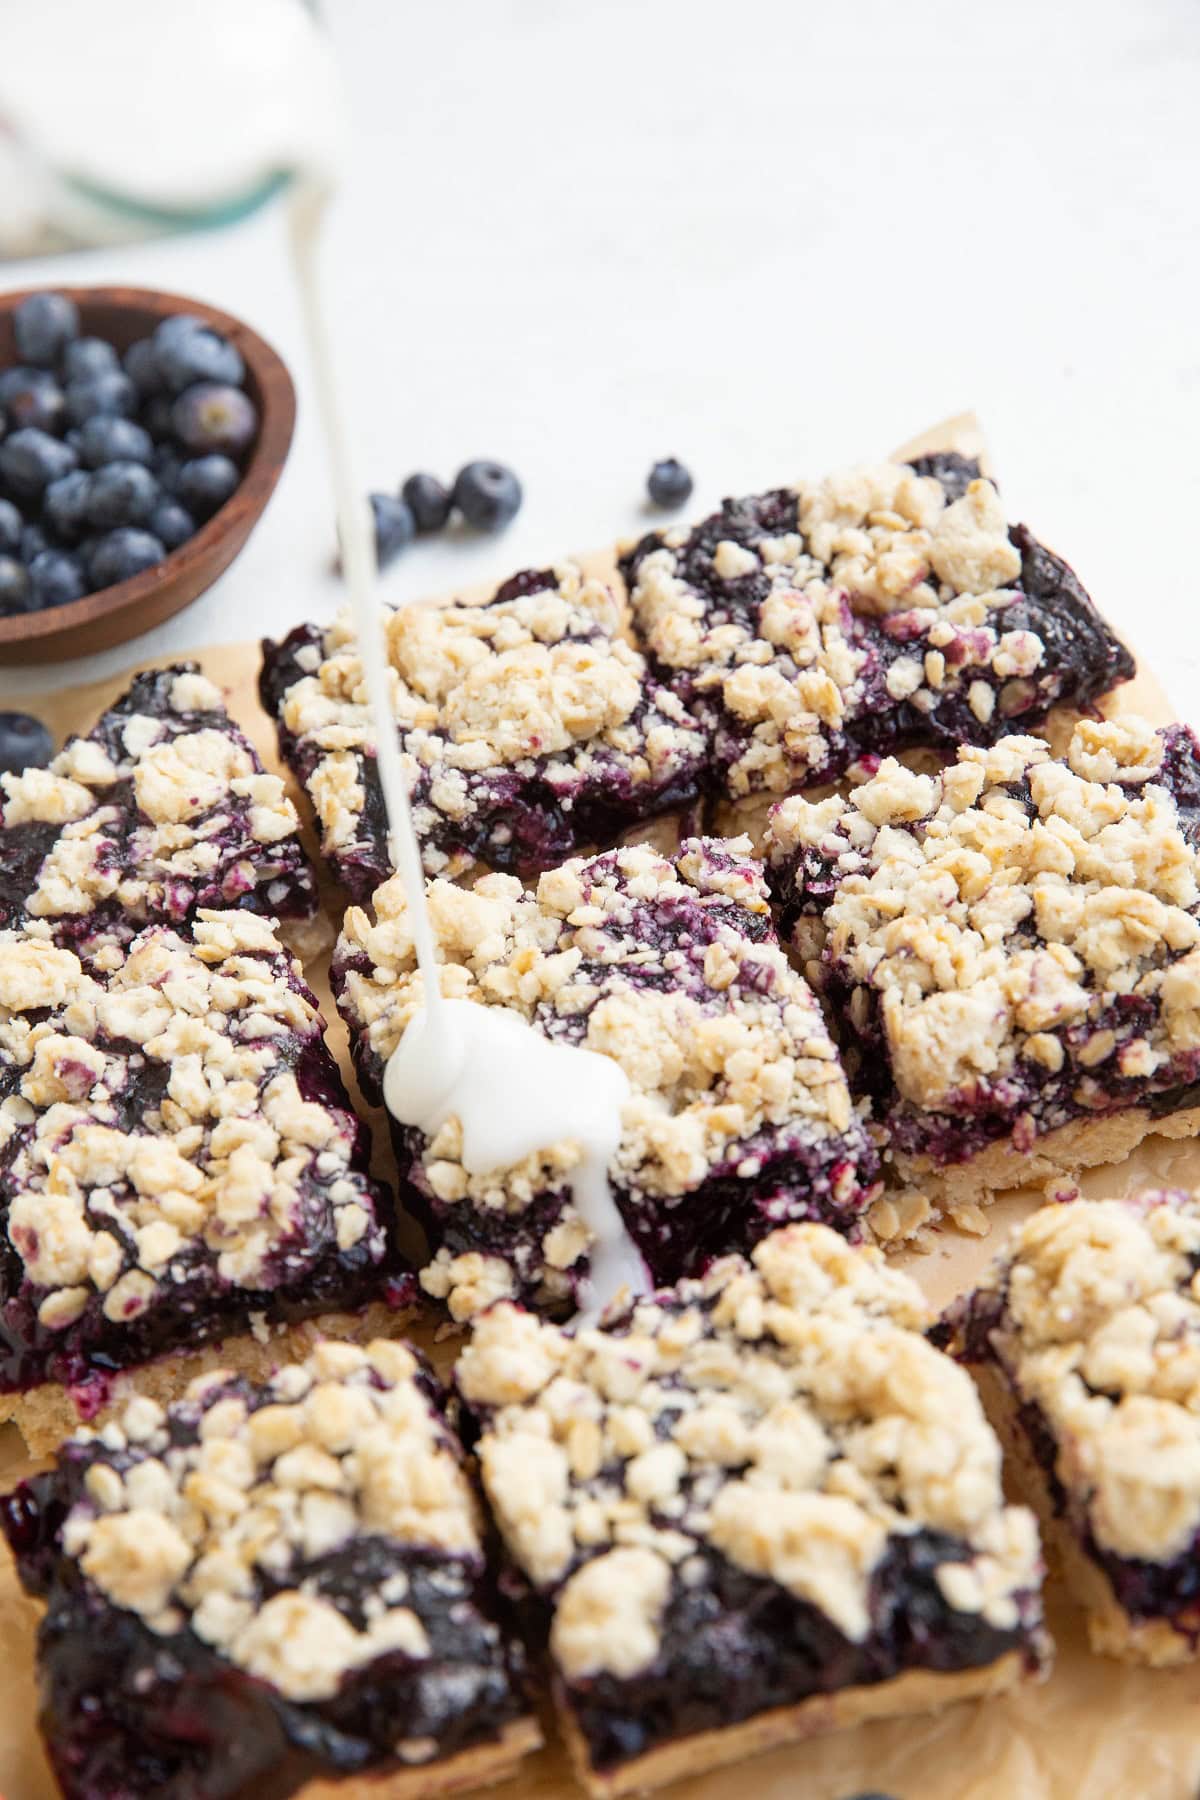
<point x="740" y="1117"/>
<point x="1085" y="1334"/>
<point x="178" y="1164"/>
<point x="530" y="727"/>
<point x="275" y="1589"/>
<point x="890" y="606"/>
<point x="1012" y="947"/>
<point x="755" y="1507"/>
<point x="163" y="808"/>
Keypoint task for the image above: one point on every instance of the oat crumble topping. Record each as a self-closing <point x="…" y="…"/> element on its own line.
<point x="785" y="1415"/>
<point x="1093" y="1315"/>
<point x="669" y="967"/>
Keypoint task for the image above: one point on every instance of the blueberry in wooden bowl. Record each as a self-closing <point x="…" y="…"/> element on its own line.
<point x="141" y="436"/>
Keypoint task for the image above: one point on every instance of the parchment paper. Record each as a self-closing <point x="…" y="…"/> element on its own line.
<point x="1093" y="1731"/>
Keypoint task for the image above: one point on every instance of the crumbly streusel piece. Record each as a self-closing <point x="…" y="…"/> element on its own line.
<point x="530" y="729"/>
<point x="1087" y="1332"/>
<point x="886" y="607"/>
<point x="178" y="1158"/>
<point x="739" y="1119"/>
<point x="281" y="1584"/>
<point x="754" y="1506"/>
<point x="163" y="808"/>
<point x="1013" y="947"/>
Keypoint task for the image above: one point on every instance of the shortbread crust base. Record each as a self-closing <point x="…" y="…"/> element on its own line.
<point x="1111" y="1631"/>
<point x="483" y="1765"/>
<point x="1083" y="1144"/>
<point x="916" y="1691"/>
<point x="47" y="1414"/>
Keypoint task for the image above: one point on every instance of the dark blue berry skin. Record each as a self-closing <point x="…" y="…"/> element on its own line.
<point x="155" y="415"/>
<point x="428" y="500"/>
<point x="57" y="578"/>
<point x="487" y="495"/>
<point x="108" y="438"/>
<point x="395" y="528"/>
<point x="16" y="589"/>
<point x="140" y="363"/>
<point x="30" y="460"/>
<point x="43" y="326"/>
<point x="33" y="542"/>
<point x="24" y="743"/>
<point x="669" y="484"/>
<point x="65" y="506"/>
<point x="34" y="399"/>
<point x="88" y="356"/>
<point x="172" y="523"/>
<point x="122" y="493"/>
<point x="195" y="354"/>
<point x="205" y="483"/>
<point x="166" y="465"/>
<point x="212" y="416"/>
<point x="11" y="524"/>
<point x="123" y="553"/>
<point x="109" y="393"/>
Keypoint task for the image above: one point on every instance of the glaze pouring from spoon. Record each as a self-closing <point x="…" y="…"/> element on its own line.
<point x="512" y="1089"/>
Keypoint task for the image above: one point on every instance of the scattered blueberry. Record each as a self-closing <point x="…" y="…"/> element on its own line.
<point x="212" y="416"/>
<point x="57" y="578"/>
<point x="109" y="438"/>
<point x="172" y="523"/>
<point x="112" y="392"/>
<point x="394" y="527"/>
<point x="141" y="365"/>
<point x="43" y="326"/>
<point x="11" y="524"/>
<point x="65" y="505"/>
<point x="205" y="483"/>
<point x="30" y="460"/>
<point x="16" y="589"/>
<point x="24" y="743"/>
<point x="88" y="356"/>
<point x="122" y="493"/>
<point x="487" y="494"/>
<point x="188" y="353"/>
<point x="34" y="399"/>
<point x="123" y="553"/>
<point x="669" y="484"/>
<point x="428" y="500"/>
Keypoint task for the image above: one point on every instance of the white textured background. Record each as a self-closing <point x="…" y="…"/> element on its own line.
<point x="766" y="237"/>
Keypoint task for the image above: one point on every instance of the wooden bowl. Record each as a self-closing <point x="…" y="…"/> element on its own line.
<point x="114" y="614"/>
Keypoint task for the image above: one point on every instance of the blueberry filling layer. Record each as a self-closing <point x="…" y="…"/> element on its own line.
<point x="162" y="809"/>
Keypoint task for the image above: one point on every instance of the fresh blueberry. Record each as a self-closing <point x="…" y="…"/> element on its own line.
<point x="33" y="542"/>
<point x="205" y="483"/>
<point x="65" y="506"/>
<point x="141" y="365"/>
<point x="210" y="416"/>
<point x="166" y="465"/>
<point x="88" y="356"/>
<point x="57" y="578"/>
<point x="30" y="460"/>
<point x="11" y="524"/>
<point x="428" y="500"/>
<point x="32" y="397"/>
<point x="172" y="523"/>
<point x="112" y="392"/>
<point x="16" y="589"/>
<point x="122" y="493"/>
<point x="487" y="495"/>
<point x="123" y="553"/>
<point x="24" y="743"/>
<point x="156" y="416"/>
<point x="43" y="326"/>
<point x="195" y="353"/>
<point x="3" y="425"/>
<point x="109" y="438"/>
<point x="395" y="527"/>
<point x="669" y="484"/>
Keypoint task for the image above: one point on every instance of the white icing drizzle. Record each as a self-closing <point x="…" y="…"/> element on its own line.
<point x="513" y="1091"/>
